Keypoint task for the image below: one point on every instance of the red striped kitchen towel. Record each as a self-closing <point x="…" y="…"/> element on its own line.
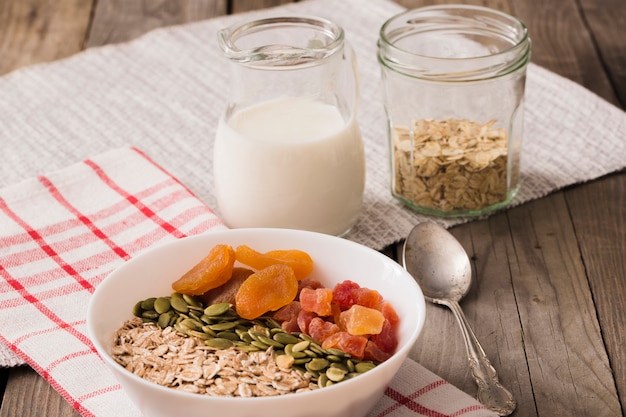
<point x="62" y="233"/>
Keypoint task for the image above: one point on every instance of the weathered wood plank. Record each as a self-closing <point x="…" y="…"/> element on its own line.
<point x="566" y="356"/>
<point x="33" y="31"/>
<point x="609" y="39"/>
<point x="599" y="216"/>
<point x="33" y="397"/>
<point x="122" y="20"/>
<point x="240" y="6"/>
<point x="563" y="43"/>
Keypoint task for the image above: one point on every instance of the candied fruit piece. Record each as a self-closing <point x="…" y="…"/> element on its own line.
<point x="389" y="312"/>
<point x="354" y="345"/>
<point x="374" y="353"/>
<point x="298" y="260"/>
<point x="320" y="329"/>
<point x="366" y="297"/>
<point x="387" y="339"/>
<point x="360" y="320"/>
<point x="304" y="318"/>
<point x="317" y="301"/>
<point x="343" y="293"/>
<point x="266" y="290"/>
<point x="211" y="272"/>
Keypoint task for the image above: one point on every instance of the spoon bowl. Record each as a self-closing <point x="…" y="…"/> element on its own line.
<point x="440" y="265"/>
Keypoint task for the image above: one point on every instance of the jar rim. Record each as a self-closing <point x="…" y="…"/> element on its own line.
<point x="490" y="22"/>
<point x="330" y="40"/>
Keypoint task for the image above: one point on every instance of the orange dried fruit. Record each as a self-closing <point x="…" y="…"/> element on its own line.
<point x="211" y="272"/>
<point x="266" y="290"/>
<point x="317" y="301"/>
<point x="359" y="320"/>
<point x="300" y="261"/>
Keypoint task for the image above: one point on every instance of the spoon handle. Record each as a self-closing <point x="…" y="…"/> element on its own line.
<point x="490" y="392"/>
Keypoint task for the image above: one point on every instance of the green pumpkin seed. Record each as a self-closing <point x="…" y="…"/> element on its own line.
<point x="148" y="304"/>
<point x="223" y="326"/>
<point x="209" y="331"/>
<point x="179" y="304"/>
<point x="317" y="364"/>
<point x="270" y="342"/>
<point x="363" y="367"/>
<point x="162" y="305"/>
<point x="335" y="374"/>
<point x="337" y="352"/>
<point x="150" y="315"/>
<point x="217" y="309"/>
<point x="285" y="338"/>
<point x="199" y="335"/>
<point x="301" y="361"/>
<point x="301" y="346"/>
<point x="192" y="301"/>
<point x="310" y="353"/>
<point x="322" y="381"/>
<point x="219" y="343"/>
<point x="230" y="335"/>
<point x="137" y="310"/>
<point x="164" y="319"/>
<point x="259" y="344"/>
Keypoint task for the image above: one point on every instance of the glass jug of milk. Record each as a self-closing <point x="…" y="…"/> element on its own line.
<point x="288" y="152"/>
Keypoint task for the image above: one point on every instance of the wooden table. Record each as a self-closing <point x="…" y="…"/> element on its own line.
<point x="549" y="301"/>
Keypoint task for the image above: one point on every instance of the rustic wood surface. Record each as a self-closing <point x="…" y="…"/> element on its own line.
<point x="548" y="303"/>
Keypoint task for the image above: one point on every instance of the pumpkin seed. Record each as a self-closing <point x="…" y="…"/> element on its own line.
<point x="270" y="342"/>
<point x="259" y="344"/>
<point x="200" y="335"/>
<point x="148" y="304"/>
<point x="209" y="331"/>
<point x="179" y="304"/>
<point x="230" y="335"/>
<point x="301" y="346"/>
<point x="322" y="381"/>
<point x="223" y="326"/>
<point x="217" y="309"/>
<point x="285" y="338"/>
<point x="151" y="315"/>
<point x="337" y="352"/>
<point x="219" y="343"/>
<point x="164" y="320"/>
<point x="317" y="364"/>
<point x="335" y="374"/>
<point x="363" y="367"/>
<point x="162" y="305"/>
<point x="310" y="353"/>
<point x="137" y="310"/>
<point x="192" y="301"/>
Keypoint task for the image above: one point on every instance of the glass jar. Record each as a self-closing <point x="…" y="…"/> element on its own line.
<point x="288" y="152"/>
<point x="453" y="85"/>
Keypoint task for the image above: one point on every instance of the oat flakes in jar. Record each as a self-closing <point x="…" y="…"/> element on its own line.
<point x="453" y="85"/>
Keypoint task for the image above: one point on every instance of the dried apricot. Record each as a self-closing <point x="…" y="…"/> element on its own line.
<point x="266" y="290"/>
<point x="211" y="272"/>
<point x="300" y="261"/>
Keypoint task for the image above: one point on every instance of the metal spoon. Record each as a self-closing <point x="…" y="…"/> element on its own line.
<point x="442" y="268"/>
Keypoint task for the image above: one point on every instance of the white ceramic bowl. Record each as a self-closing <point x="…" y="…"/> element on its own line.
<point x="336" y="259"/>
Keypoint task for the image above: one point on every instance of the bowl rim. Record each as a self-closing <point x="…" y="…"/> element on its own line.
<point x="163" y="246"/>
